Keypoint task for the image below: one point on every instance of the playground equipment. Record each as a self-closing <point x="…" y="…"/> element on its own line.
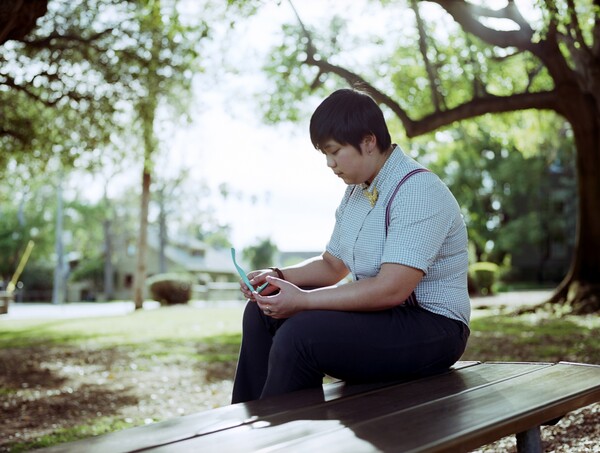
<point x="8" y="295"/>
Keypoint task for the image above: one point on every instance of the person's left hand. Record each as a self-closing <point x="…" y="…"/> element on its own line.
<point x="287" y="302"/>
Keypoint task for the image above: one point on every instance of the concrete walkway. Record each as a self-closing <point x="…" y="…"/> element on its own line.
<point x="512" y="299"/>
<point x="71" y="310"/>
<point x="89" y="309"/>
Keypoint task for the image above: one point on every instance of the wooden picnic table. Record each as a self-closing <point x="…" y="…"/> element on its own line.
<point x="471" y="405"/>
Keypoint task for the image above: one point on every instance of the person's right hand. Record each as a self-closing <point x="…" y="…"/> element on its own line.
<point x="258" y="278"/>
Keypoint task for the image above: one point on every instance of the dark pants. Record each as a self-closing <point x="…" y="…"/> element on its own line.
<point x="280" y="356"/>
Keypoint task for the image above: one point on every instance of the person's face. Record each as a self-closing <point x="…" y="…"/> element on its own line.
<point x="352" y="166"/>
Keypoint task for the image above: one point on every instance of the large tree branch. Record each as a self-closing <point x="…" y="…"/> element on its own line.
<point x="48" y="102"/>
<point x="467" y="15"/>
<point x="47" y="41"/>
<point x="357" y="81"/>
<point x="353" y="79"/>
<point x="470" y="109"/>
<point x="545" y="100"/>
<point x="9" y="81"/>
<point x="14" y="134"/>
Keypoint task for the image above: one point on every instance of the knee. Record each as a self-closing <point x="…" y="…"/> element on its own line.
<point x="285" y="342"/>
<point x="250" y="310"/>
<point x="250" y="315"/>
<point x="293" y="340"/>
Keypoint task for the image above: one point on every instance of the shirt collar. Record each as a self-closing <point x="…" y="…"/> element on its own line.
<point x="390" y="166"/>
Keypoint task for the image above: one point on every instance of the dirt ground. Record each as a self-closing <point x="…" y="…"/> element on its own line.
<point x="59" y="387"/>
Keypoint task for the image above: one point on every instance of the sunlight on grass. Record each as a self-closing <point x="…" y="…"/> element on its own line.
<point x="143" y="341"/>
<point x="163" y="324"/>
<point x="100" y="426"/>
<point x="535" y="337"/>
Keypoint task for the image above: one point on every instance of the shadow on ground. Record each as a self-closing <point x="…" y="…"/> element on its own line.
<point x="45" y="390"/>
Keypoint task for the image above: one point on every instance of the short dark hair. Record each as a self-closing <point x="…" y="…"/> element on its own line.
<point x="347" y="116"/>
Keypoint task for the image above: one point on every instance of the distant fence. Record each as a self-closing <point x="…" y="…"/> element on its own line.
<point x="33" y="295"/>
<point x="217" y="291"/>
<point x="210" y="291"/>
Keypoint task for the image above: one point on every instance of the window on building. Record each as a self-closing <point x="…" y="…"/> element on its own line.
<point x="128" y="280"/>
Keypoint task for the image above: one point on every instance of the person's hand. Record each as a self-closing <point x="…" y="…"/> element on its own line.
<point x="287" y="302"/>
<point x="257" y="278"/>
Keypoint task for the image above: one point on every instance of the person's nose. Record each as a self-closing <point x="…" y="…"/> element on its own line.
<point x="330" y="162"/>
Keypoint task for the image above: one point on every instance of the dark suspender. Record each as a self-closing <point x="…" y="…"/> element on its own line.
<point x="412" y="299"/>
<point x="402" y="181"/>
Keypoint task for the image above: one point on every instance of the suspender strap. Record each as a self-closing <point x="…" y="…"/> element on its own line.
<point x="412" y="299"/>
<point x="402" y="181"/>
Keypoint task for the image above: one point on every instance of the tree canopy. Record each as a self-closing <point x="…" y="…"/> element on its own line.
<point x="74" y="81"/>
<point x="442" y="62"/>
<point x="90" y="81"/>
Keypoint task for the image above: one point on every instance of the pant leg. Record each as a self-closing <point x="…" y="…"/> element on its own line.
<point x="361" y="347"/>
<point x="257" y="338"/>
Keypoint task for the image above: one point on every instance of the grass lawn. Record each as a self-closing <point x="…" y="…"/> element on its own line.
<point x="143" y="327"/>
<point x="97" y="369"/>
<point x="535" y="337"/>
<point x="66" y="379"/>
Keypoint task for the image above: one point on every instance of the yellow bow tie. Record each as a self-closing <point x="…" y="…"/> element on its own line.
<point x="371" y="196"/>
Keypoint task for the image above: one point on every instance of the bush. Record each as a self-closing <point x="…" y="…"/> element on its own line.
<point x="169" y="289"/>
<point x="90" y="269"/>
<point x="38" y="281"/>
<point x="482" y="277"/>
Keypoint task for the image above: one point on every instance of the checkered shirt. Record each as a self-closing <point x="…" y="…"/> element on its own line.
<point x="426" y="231"/>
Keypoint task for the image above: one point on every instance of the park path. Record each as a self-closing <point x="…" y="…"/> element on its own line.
<point x="90" y="309"/>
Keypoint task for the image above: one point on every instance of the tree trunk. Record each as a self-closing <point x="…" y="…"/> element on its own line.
<point x="162" y="233"/>
<point x="58" y="290"/>
<point x="142" y="244"/>
<point x="109" y="276"/>
<point x="147" y="113"/>
<point x="580" y="289"/>
<point x="18" y="18"/>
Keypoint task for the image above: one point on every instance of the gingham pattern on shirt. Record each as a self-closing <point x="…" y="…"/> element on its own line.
<point x="426" y="231"/>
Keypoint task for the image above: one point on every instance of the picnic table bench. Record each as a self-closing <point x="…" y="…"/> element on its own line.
<point x="5" y="299"/>
<point x="471" y="405"/>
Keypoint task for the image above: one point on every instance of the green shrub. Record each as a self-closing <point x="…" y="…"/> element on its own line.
<point x="38" y="277"/>
<point x="91" y="269"/>
<point x="482" y="277"/>
<point x="38" y="281"/>
<point x="169" y="289"/>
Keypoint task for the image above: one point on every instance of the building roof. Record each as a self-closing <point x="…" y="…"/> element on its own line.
<point x="194" y="255"/>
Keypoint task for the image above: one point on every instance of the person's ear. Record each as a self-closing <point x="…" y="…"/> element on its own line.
<point x="369" y="143"/>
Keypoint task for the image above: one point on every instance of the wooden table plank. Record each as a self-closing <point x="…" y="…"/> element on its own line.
<point x="333" y="417"/>
<point x="343" y="390"/>
<point x="470" y="419"/>
<point x="202" y="423"/>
